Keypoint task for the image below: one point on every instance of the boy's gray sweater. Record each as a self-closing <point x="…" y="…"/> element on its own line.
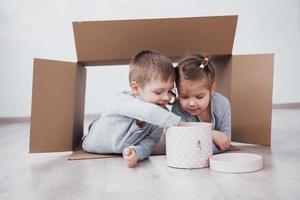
<point x="128" y="122"/>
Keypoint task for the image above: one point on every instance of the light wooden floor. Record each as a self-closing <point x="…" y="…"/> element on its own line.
<point x="52" y="176"/>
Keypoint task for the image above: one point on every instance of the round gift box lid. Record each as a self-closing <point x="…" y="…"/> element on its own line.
<point x="236" y="162"/>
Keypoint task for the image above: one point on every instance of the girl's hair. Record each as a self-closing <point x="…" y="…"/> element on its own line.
<point x="148" y="65"/>
<point x="194" y="67"/>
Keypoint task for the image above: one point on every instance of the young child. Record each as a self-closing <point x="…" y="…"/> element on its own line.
<point x="134" y="121"/>
<point x="198" y="101"/>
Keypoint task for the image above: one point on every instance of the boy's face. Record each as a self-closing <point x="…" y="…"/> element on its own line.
<point x="156" y="91"/>
<point x="194" y="96"/>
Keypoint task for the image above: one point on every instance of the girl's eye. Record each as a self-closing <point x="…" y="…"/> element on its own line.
<point x="158" y="93"/>
<point x="200" y="97"/>
<point x="183" y="97"/>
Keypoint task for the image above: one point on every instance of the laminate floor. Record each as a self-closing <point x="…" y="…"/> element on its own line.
<point x="52" y="176"/>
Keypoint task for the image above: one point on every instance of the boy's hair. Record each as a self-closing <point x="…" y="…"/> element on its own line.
<point x="194" y="67"/>
<point x="148" y="65"/>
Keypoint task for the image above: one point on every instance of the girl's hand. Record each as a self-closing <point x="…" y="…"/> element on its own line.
<point x="221" y="140"/>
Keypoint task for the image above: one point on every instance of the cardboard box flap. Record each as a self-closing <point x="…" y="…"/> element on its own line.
<point x="115" y="42"/>
<point x="251" y="98"/>
<point x="57" y="105"/>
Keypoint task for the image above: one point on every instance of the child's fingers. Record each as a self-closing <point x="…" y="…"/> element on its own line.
<point x="183" y="123"/>
<point x="130" y="157"/>
<point x="126" y="157"/>
<point x="127" y="151"/>
<point x="129" y="161"/>
<point x="128" y="154"/>
<point x="131" y="164"/>
<point x="133" y="157"/>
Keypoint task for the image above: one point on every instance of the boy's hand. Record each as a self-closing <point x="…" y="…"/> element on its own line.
<point x="183" y="123"/>
<point x="221" y="140"/>
<point x="130" y="157"/>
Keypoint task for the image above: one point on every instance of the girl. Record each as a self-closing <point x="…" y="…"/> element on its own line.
<point x="198" y="102"/>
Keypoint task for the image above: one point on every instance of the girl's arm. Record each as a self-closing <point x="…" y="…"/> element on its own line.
<point x="222" y="137"/>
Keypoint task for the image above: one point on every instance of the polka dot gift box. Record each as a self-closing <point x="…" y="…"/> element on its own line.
<point x="189" y="146"/>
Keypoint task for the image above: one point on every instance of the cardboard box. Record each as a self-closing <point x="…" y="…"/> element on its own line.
<point x="59" y="87"/>
<point x="57" y="105"/>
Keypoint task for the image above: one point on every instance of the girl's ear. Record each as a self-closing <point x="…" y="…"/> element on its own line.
<point x="213" y="88"/>
<point x="134" y="88"/>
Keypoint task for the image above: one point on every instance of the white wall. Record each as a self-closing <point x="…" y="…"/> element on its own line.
<point x="43" y="29"/>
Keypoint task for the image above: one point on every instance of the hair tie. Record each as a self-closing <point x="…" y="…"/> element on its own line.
<point x="204" y="63"/>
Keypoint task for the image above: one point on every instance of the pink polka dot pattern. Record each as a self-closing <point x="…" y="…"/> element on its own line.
<point x="189" y="146"/>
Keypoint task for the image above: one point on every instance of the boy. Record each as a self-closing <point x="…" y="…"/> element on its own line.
<point x="135" y="121"/>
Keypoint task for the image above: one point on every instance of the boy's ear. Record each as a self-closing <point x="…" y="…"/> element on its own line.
<point x="213" y="88"/>
<point x="134" y="88"/>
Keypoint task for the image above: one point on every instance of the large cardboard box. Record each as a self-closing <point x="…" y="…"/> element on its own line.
<point x="59" y="87"/>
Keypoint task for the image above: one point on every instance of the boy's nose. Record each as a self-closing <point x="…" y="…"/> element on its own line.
<point x="165" y="97"/>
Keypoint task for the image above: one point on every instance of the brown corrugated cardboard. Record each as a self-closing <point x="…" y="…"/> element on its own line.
<point x="80" y="154"/>
<point x="108" y="42"/>
<point x="251" y="98"/>
<point x="247" y="81"/>
<point x="58" y="87"/>
<point x="57" y="105"/>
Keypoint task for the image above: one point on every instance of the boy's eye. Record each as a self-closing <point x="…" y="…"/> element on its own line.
<point x="158" y="93"/>
<point x="200" y="97"/>
<point x="183" y="97"/>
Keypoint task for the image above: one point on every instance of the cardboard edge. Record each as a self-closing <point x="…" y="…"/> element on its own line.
<point x="78" y="26"/>
<point x="168" y="18"/>
<point x="79" y="98"/>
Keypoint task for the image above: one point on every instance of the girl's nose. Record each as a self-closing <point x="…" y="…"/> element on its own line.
<point x="191" y="103"/>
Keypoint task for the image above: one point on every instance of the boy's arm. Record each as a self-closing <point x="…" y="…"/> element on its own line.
<point x="130" y="106"/>
<point x="144" y="148"/>
<point x="177" y="110"/>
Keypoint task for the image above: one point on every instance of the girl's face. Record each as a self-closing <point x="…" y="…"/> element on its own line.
<point x="194" y="96"/>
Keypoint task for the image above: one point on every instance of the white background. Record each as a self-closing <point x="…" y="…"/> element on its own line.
<point x="43" y="29"/>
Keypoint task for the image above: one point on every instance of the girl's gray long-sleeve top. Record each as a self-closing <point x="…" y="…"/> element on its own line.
<point x="128" y="122"/>
<point x="220" y="115"/>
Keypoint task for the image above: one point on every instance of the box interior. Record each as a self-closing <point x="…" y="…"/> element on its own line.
<point x="59" y="87"/>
